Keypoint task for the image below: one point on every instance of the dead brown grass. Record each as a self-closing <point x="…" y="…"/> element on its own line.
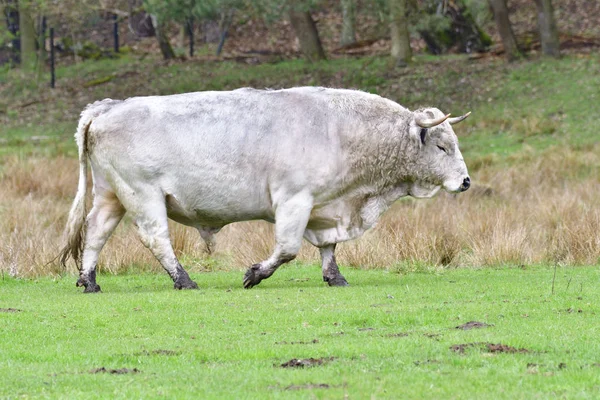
<point x="542" y="211"/>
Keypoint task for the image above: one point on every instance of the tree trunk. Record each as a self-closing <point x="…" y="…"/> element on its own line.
<point x="450" y="26"/>
<point x="139" y="22"/>
<point x="28" y="37"/>
<point x="348" y="23"/>
<point x="511" y="50"/>
<point x="10" y="11"/>
<point x="181" y="35"/>
<point x="547" y="28"/>
<point x="41" y="48"/>
<point x="163" y="40"/>
<point x="401" y="51"/>
<point x="308" y="36"/>
<point x="224" y="25"/>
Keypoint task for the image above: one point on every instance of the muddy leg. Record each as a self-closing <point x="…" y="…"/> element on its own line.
<point x="102" y="220"/>
<point x="154" y="233"/>
<point x="331" y="272"/>
<point x="291" y="218"/>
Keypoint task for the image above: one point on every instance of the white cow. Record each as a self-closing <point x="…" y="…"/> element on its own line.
<point x="322" y="164"/>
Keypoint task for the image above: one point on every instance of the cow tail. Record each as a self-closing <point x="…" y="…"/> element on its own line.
<point x="76" y="227"/>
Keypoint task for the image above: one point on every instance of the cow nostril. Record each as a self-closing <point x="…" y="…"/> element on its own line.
<point x="466" y="183"/>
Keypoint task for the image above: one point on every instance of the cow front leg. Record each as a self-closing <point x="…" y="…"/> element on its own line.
<point x="291" y="218"/>
<point x="102" y="220"/>
<point x="331" y="271"/>
<point x="154" y="233"/>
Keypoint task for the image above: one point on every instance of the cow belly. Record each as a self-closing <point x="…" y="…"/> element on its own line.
<point x="324" y="237"/>
<point x="214" y="212"/>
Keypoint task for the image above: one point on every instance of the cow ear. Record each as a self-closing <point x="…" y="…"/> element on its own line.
<point x="423" y="133"/>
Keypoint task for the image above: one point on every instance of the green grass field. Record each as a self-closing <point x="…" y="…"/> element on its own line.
<point x="386" y="336"/>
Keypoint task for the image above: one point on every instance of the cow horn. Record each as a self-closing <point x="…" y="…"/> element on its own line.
<point x="430" y="123"/>
<point x="456" y="120"/>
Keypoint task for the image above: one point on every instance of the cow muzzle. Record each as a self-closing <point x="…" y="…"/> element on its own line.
<point x="466" y="184"/>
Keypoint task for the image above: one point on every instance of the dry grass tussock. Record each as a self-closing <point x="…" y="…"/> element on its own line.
<point x="543" y="211"/>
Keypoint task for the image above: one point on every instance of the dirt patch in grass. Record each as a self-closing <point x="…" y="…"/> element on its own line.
<point x="434" y="336"/>
<point x="503" y="348"/>
<point x="306" y="362"/>
<point x="311" y="342"/>
<point x="417" y="363"/>
<point x="544" y="369"/>
<point x="473" y="325"/>
<point x="488" y="347"/>
<point x="10" y="310"/>
<point x="158" y="352"/>
<point x="400" y="334"/>
<point x="308" y="386"/>
<point x="120" y="371"/>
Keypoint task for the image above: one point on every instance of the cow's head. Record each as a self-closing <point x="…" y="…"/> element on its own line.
<point x="440" y="162"/>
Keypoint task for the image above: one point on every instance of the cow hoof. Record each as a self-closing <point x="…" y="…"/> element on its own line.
<point x="89" y="287"/>
<point x="337" y="280"/>
<point x="185" y="284"/>
<point x="92" y="289"/>
<point x="252" y="278"/>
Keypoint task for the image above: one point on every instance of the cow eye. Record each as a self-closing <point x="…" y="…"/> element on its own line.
<point x="443" y="149"/>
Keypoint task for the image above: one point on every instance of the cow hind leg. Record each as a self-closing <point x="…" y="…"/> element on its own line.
<point x="154" y="233"/>
<point x="331" y="271"/>
<point x="291" y="218"/>
<point x="102" y="220"/>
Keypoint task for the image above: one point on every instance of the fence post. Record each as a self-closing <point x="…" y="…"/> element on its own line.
<point x="116" y="32"/>
<point x="52" y="73"/>
<point x="191" y="35"/>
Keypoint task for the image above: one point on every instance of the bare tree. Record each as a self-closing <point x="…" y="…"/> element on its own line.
<point x="401" y="51"/>
<point x="547" y="28"/>
<point x="511" y="50"/>
<point x="348" y="22"/>
<point x="163" y="40"/>
<point x="307" y="34"/>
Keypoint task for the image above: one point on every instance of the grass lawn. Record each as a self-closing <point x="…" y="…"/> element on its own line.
<point x="386" y="336"/>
